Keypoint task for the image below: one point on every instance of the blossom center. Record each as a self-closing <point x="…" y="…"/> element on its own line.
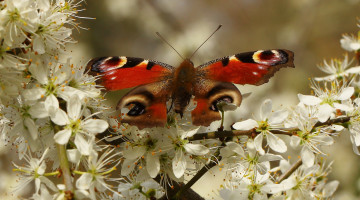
<point x="263" y="126"/>
<point x="14" y="15"/>
<point x="74" y="126"/>
<point x="253" y="188"/>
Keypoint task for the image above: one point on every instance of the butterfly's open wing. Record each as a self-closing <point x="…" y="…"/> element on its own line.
<point x="125" y="72"/>
<point x="253" y="68"/>
<point x="147" y="105"/>
<point x="151" y="79"/>
<point x="214" y="79"/>
<point x="207" y="94"/>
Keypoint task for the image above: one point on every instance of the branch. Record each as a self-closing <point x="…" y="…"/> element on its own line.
<point x="290" y="171"/>
<point x="171" y="192"/>
<point x="194" y="179"/>
<point x="65" y="169"/>
<point x="253" y="132"/>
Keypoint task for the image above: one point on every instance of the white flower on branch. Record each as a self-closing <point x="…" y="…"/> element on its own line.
<point x="254" y="186"/>
<point x="51" y="35"/>
<point x="97" y="176"/>
<point x="309" y="138"/>
<point x="234" y="155"/>
<point x="328" y="99"/>
<point x="147" y="146"/>
<point x="183" y="148"/>
<point x="337" y="69"/>
<point x="83" y="130"/>
<point x="350" y="43"/>
<point x="33" y="170"/>
<point x="268" y="121"/>
<point x="17" y="18"/>
<point x="24" y="127"/>
<point x="309" y="182"/>
<point x="148" y="189"/>
<point x="354" y="125"/>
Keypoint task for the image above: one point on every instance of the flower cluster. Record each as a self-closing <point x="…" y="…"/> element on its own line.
<point x="49" y="106"/>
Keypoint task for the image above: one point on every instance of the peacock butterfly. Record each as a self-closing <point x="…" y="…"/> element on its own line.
<point x="156" y="83"/>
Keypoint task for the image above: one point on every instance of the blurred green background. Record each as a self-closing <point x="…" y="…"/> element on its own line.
<point x="310" y="28"/>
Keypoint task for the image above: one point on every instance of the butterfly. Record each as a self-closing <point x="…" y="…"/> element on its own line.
<point x="156" y="83"/>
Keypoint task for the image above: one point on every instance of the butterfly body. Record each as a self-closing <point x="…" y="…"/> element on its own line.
<point x="157" y="83"/>
<point x="183" y="86"/>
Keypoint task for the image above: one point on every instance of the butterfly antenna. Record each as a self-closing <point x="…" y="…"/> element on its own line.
<point x="206" y="40"/>
<point x="163" y="39"/>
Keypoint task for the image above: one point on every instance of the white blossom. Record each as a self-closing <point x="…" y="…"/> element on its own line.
<point x="328" y="99"/>
<point x="34" y="170"/>
<point x="235" y="155"/>
<point x="350" y="43"/>
<point x="98" y="173"/>
<point x="84" y="130"/>
<point x="268" y="121"/>
<point x="308" y="138"/>
<point x="337" y="69"/>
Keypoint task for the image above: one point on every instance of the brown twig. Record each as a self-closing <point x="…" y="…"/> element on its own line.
<point x="189" y="194"/>
<point x="194" y="179"/>
<point x="253" y="132"/>
<point x="293" y="168"/>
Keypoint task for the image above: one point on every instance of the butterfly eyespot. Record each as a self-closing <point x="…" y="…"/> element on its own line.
<point x="227" y="99"/>
<point x="136" y="109"/>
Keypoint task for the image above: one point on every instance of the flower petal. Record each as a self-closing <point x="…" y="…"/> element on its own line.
<point x="152" y="164"/>
<point x="265" y="109"/>
<point x="325" y="111"/>
<point x="73" y="107"/>
<point x="258" y="144"/>
<point x="31" y="127"/>
<point x="38" y="110"/>
<point x="309" y="100"/>
<point x="270" y="157"/>
<point x="179" y="164"/>
<point x="82" y="144"/>
<point x="353" y="70"/>
<point x="73" y="155"/>
<point x="235" y="147"/>
<point x="346" y="93"/>
<point x="84" y="181"/>
<point x="278" y="117"/>
<point x="276" y="143"/>
<point x="33" y="93"/>
<point x="40" y="72"/>
<point x="51" y="104"/>
<point x="127" y="167"/>
<point x="38" y="45"/>
<point x="196" y="149"/>
<point x="60" y="117"/>
<point x="95" y="126"/>
<point x="135" y="152"/>
<point x="63" y="136"/>
<point x="307" y="157"/>
<point x="343" y="107"/>
<point x="295" y="141"/>
<point x="330" y="188"/>
<point x="245" y="125"/>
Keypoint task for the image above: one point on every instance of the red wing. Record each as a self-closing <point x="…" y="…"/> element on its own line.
<point x="126" y="72"/>
<point x="207" y="94"/>
<point x="147" y="105"/>
<point x="253" y="68"/>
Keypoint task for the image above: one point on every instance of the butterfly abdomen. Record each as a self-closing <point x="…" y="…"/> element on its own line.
<point x="183" y="86"/>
